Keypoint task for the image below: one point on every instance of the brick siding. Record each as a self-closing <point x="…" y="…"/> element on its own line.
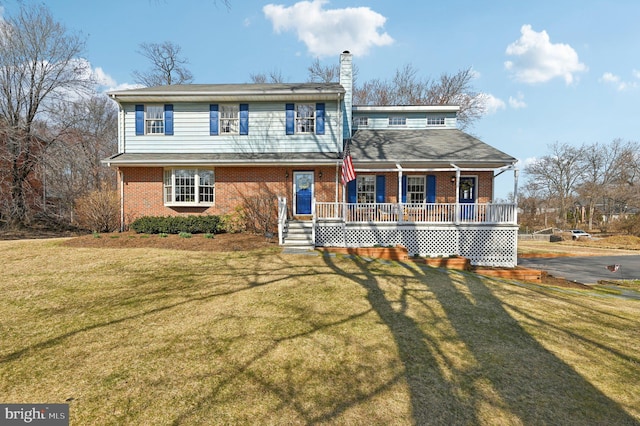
<point x="143" y="188"/>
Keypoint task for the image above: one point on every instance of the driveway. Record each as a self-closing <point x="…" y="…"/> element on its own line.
<point x="586" y="270"/>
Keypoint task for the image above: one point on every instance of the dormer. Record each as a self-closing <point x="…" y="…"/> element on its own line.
<point x="405" y="117"/>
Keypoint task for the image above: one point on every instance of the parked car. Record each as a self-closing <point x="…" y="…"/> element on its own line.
<point x="577" y="233"/>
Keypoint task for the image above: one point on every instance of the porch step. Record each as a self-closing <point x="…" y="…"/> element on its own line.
<point x="299" y="234"/>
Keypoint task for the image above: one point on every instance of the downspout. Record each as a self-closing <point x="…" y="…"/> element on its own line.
<point x="457" y="209"/>
<point x="400" y="215"/>
<point x="121" y="173"/>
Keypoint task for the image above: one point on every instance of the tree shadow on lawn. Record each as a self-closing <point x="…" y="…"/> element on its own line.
<point x="507" y="372"/>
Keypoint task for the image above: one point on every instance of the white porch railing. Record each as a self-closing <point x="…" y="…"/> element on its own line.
<point x="417" y="213"/>
<point x="282" y="218"/>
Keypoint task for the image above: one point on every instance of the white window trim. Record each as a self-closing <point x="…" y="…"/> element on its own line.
<point x="441" y="122"/>
<point x="148" y="120"/>
<point x="196" y="189"/>
<point x="391" y="124"/>
<point x="361" y="121"/>
<point x="235" y="119"/>
<point x="358" y="192"/>
<point x="298" y="118"/>
<point x="424" y="188"/>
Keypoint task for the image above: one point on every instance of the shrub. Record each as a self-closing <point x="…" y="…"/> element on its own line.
<point x="99" y="211"/>
<point x="177" y="224"/>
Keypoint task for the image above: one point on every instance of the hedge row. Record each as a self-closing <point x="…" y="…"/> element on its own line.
<point x="177" y="224"/>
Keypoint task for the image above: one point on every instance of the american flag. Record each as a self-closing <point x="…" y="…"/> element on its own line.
<point x="613" y="268"/>
<point x="348" y="172"/>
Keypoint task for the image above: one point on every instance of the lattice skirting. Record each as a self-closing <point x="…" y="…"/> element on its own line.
<point x="483" y="245"/>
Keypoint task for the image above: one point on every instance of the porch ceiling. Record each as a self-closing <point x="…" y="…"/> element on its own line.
<point x="433" y="147"/>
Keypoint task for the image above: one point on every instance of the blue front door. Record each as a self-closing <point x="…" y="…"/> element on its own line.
<point x="467" y="196"/>
<point x="302" y="192"/>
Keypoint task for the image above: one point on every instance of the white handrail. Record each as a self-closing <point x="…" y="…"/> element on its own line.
<point x="490" y="213"/>
<point x="282" y="218"/>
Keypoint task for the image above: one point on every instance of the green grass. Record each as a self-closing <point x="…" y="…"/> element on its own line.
<point x="144" y="336"/>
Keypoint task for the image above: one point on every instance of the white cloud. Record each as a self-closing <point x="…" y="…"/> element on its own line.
<point x="493" y="104"/>
<point x="517" y="102"/>
<point x="327" y="32"/>
<point x="537" y="60"/>
<point x="617" y="82"/>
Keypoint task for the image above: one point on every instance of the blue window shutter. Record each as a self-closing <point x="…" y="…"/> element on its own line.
<point x="431" y="189"/>
<point x="290" y="119"/>
<point x="244" y="119"/>
<point x="168" y="119"/>
<point x="139" y="120"/>
<point x="380" y="189"/>
<point x="352" y="191"/>
<point x="404" y="189"/>
<point x="213" y="119"/>
<point x="320" y="119"/>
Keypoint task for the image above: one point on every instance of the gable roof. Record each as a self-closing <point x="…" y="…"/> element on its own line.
<point x="231" y="92"/>
<point x="424" y="146"/>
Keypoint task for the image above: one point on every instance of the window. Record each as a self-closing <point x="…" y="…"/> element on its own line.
<point x="361" y="121"/>
<point x="415" y="189"/>
<point x="305" y="118"/>
<point x="435" y="121"/>
<point x="229" y="118"/>
<point x="366" y="189"/>
<point x="397" y="121"/>
<point x="189" y="186"/>
<point x="154" y="119"/>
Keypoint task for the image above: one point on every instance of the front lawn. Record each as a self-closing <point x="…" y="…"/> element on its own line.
<point x="163" y="336"/>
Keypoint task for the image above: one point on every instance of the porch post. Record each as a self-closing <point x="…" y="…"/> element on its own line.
<point x="400" y="215"/>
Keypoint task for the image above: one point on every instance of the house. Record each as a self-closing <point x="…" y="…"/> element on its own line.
<point x="420" y="182"/>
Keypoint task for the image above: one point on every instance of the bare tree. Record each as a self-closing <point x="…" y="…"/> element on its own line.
<point x="557" y="175"/>
<point x="167" y="65"/>
<point x="39" y="70"/>
<point x="407" y="88"/>
<point x="72" y="164"/>
<point x="606" y="168"/>
<point x="274" y="76"/>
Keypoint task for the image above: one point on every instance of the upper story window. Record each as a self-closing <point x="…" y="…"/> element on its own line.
<point x="154" y="119"/>
<point x="361" y="121"/>
<point x="189" y="187"/>
<point x="229" y="119"/>
<point x="305" y="118"/>
<point x="397" y="121"/>
<point x="435" y="121"/>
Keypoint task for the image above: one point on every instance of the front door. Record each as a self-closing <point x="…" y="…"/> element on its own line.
<point x="467" y="197"/>
<point x="302" y="193"/>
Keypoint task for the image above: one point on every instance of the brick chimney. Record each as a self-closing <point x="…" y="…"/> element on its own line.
<point x="346" y="80"/>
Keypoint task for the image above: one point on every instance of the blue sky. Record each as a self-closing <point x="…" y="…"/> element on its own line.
<point x="553" y="71"/>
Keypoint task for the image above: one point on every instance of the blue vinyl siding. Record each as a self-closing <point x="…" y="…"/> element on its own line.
<point x="194" y="122"/>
